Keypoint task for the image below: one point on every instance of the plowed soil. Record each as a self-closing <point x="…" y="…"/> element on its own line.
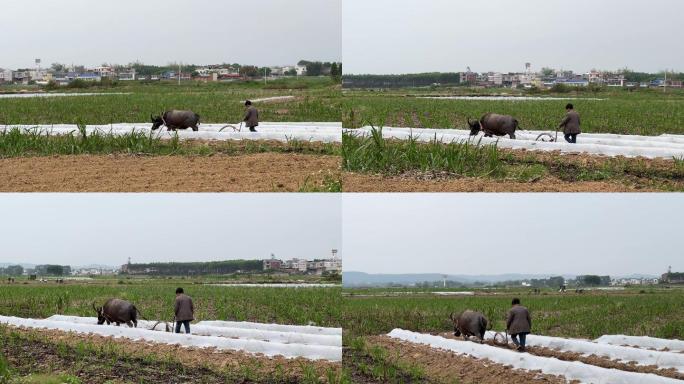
<point x="198" y="364"/>
<point x="449" y="367"/>
<point x="355" y="182"/>
<point x="262" y="172"/>
<point x="564" y="174"/>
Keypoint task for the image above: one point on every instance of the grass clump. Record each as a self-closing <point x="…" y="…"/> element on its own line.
<point x="16" y="142"/>
<point x="378" y="364"/>
<point x="5" y="372"/>
<point x="374" y="153"/>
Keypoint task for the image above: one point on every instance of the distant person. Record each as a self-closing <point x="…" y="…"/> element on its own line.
<point x="518" y="324"/>
<point x="571" y="124"/>
<point x="251" y="116"/>
<point x="184" y="310"/>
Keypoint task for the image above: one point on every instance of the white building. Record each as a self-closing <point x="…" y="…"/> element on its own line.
<point x="495" y="78"/>
<point x="332" y="265"/>
<point x="300" y="265"/>
<point x="301" y="70"/>
<point x="127" y="74"/>
<point x="6" y="76"/>
<point x="105" y="71"/>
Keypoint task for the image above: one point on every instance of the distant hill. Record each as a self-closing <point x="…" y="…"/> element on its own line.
<point x="362" y="279"/>
<point x="95" y="266"/>
<point x="365" y="279"/>
<point x="25" y="265"/>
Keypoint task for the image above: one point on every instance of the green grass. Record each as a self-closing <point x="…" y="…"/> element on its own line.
<point x="645" y="112"/>
<point x="377" y="155"/>
<point x="49" y="379"/>
<point x="316" y="100"/>
<point x="5" y="369"/>
<point x="374" y="153"/>
<point x="653" y="312"/>
<point x="17" y="143"/>
<point x="154" y="298"/>
<point x="378" y="364"/>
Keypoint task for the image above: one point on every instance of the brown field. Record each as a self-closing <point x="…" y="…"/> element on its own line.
<point x="260" y="172"/>
<point x="105" y="359"/>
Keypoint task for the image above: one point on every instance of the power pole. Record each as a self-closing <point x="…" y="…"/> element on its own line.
<point x="179" y="73"/>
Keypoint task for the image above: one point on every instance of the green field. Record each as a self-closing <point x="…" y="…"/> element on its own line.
<point x="155" y="298"/>
<point x="645" y="112"/>
<point x="648" y="311"/>
<point x="31" y="356"/>
<point x="316" y="99"/>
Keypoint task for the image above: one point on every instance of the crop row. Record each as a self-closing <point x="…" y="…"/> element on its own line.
<point x="320" y="306"/>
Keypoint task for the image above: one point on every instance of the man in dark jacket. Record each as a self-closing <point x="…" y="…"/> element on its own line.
<point x="251" y="116"/>
<point x="571" y="124"/>
<point x="184" y="310"/>
<point x="518" y="324"/>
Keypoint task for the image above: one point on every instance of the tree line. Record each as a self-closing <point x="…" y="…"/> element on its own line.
<point x="401" y="81"/>
<point x="195" y="268"/>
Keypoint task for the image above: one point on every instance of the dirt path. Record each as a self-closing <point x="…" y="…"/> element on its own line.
<point x="446" y="366"/>
<point x="355" y="182"/>
<point x="262" y="172"/>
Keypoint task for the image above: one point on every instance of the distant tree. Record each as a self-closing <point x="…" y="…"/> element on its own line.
<point x="51" y="85"/>
<point x="57" y="67"/>
<point x="335" y="72"/>
<point x="55" y="270"/>
<point x="249" y="71"/>
<point x="591" y="280"/>
<point x="291" y="72"/>
<point x="400" y="81"/>
<point x="560" y="88"/>
<point x="14" y="270"/>
<point x="595" y="88"/>
<point x="556" y="281"/>
<point x="314" y="68"/>
<point x="547" y="72"/>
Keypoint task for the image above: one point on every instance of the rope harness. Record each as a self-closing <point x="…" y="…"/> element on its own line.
<point x="235" y="129"/>
<point x="498" y="336"/>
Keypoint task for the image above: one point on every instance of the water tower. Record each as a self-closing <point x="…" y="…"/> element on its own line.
<point x="334" y="254"/>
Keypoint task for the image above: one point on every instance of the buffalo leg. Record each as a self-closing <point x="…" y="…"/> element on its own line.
<point x="512" y="135"/>
<point x="195" y="128"/>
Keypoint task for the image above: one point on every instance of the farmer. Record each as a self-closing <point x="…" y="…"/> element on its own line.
<point x="184" y="310"/>
<point x="571" y="124"/>
<point x="251" y="116"/>
<point x="518" y="324"/>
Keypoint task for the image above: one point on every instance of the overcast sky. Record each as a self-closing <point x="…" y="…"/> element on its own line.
<point x="260" y="32"/>
<point x="615" y="234"/>
<point x="410" y="36"/>
<point x="81" y="229"/>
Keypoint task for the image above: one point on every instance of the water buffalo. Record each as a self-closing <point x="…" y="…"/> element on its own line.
<point x="470" y="323"/>
<point x="174" y="120"/>
<point x="493" y="124"/>
<point x="117" y="311"/>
